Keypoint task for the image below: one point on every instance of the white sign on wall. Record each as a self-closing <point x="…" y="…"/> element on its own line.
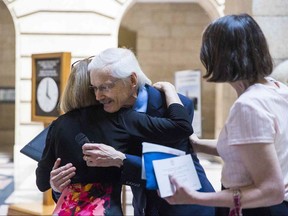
<point x="188" y="83"/>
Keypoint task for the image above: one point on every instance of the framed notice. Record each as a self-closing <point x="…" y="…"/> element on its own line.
<point x="188" y="83"/>
<point x="50" y="72"/>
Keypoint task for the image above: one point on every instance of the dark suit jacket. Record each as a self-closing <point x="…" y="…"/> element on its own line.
<point x="144" y="201"/>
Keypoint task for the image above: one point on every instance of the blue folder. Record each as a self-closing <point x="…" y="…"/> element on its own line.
<point x="156" y="152"/>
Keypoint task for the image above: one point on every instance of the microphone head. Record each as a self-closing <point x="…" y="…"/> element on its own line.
<point x="81" y="139"/>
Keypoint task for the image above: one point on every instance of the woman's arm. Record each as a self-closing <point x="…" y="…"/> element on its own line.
<point x="48" y="172"/>
<point x="262" y="163"/>
<point x="207" y="146"/>
<point x="46" y="163"/>
<point x="267" y="188"/>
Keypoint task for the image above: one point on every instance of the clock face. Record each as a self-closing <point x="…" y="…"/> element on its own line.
<point x="47" y="94"/>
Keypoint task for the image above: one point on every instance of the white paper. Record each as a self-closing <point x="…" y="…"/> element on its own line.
<point x="181" y="168"/>
<point x="143" y="172"/>
<point x="153" y="147"/>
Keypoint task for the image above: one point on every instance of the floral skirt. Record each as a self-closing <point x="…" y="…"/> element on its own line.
<point x="84" y="200"/>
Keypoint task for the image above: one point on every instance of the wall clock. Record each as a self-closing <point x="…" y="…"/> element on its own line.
<point x="50" y="72"/>
<point x="47" y="94"/>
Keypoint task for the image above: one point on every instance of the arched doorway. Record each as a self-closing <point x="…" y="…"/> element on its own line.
<point x="166" y="38"/>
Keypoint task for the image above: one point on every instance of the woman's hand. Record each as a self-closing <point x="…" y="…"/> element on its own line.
<point x="181" y="195"/>
<point x="164" y="86"/>
<point x="194" y="139"/>
<point x="60" y="176"/>
<point x="170" y="92"/>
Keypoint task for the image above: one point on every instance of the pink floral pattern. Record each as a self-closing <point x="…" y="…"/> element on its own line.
<point x="84" y="200"/>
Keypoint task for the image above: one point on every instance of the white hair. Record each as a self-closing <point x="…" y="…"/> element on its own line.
<point x="120" y="62"/>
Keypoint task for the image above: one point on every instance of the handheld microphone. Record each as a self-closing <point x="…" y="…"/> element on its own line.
<point x="81" y="139"/>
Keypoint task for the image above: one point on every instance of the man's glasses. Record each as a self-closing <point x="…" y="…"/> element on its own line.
<point x="104" y="87"/>
<point x="89" y="59"/>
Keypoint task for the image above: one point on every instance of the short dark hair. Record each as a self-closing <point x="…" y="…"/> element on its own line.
<point x="234" y="48"/>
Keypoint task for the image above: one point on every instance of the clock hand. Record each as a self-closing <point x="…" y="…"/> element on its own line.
<point x="47" y="89"/>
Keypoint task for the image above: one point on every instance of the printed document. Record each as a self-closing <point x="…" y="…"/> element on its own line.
<point x="182" y="168"/>
<point x="154" y="149"/>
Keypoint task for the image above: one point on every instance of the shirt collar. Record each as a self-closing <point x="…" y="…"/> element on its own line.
<point x="141" y="102"/>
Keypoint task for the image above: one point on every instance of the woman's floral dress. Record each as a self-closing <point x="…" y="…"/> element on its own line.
<point x="92" y="199"/>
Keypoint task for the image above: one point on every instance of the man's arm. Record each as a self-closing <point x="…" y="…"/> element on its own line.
<point x="131" y="171"/>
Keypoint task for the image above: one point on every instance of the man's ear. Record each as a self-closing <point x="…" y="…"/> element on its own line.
<point x="134" y="79"/>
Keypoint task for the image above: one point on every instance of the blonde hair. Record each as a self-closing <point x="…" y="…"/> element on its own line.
<point x="77" y="93"/>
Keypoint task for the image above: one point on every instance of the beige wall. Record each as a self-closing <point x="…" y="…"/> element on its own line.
<point x="236" y="6"/>
<point x="272" y="16"/>
<point x="7" y="78"/>
<point x="168" y="40"/>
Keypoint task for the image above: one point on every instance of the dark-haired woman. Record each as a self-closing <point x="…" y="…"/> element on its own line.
<point x="253" y="142"/>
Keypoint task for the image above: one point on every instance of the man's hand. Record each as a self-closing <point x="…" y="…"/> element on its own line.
<point x="60" y="176"/>
<point x="101" y="155"/>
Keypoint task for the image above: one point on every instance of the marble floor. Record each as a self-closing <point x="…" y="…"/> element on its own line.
<point x="6" y="181"/>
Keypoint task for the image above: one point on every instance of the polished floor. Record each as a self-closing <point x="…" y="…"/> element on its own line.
<point x="6" y="181"/>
